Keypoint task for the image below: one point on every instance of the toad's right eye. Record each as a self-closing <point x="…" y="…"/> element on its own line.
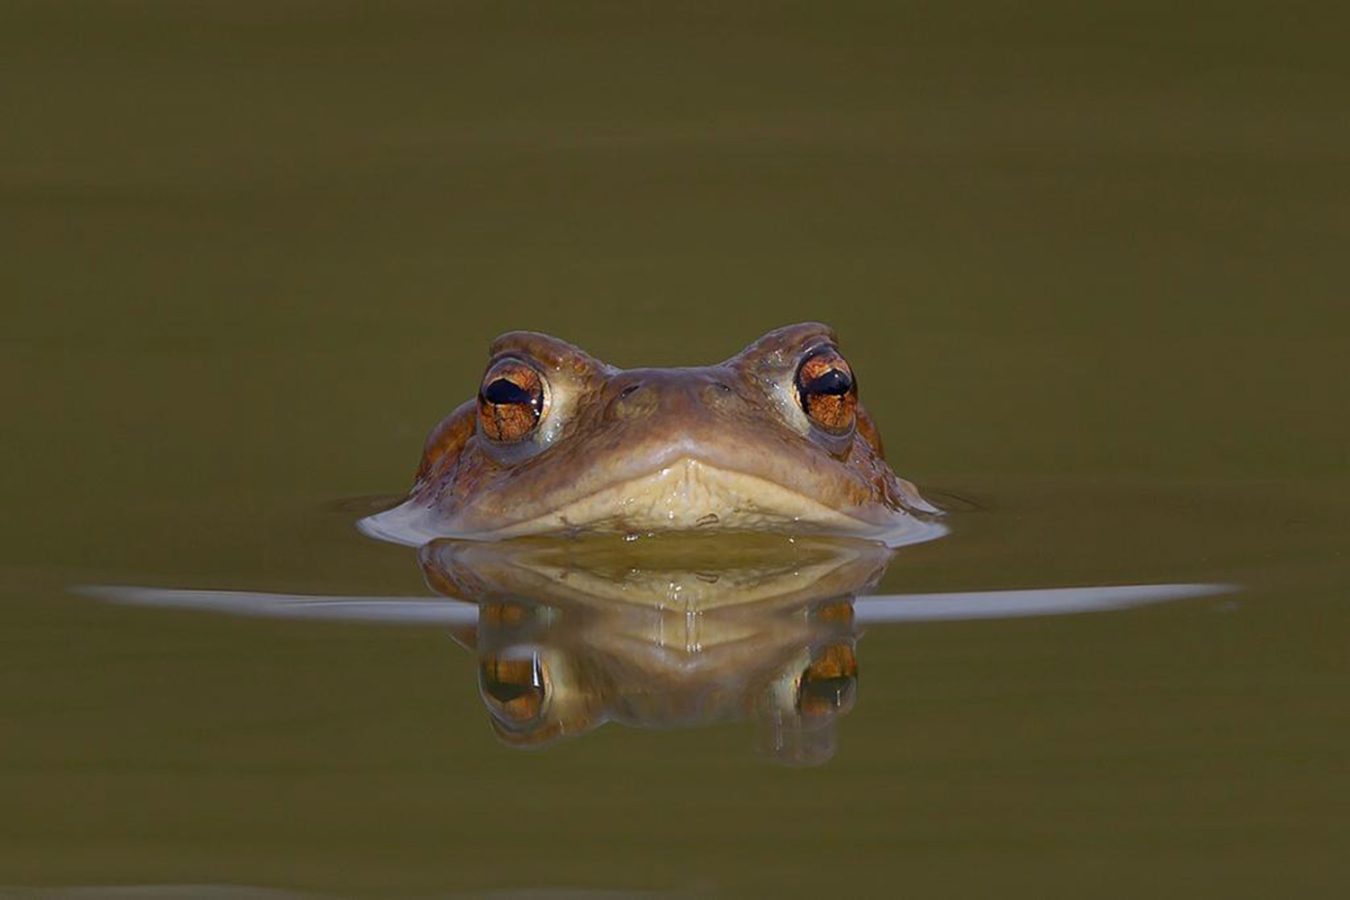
<point x="516" y="691"/>
<point x="511" y="400"/>
<point x="827" y="391"/>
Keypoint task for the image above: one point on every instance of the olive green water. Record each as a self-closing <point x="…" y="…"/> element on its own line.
<point x="1089" y="265"/>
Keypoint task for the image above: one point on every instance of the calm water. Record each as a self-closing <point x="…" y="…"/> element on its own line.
<point x="1090" y="270"/>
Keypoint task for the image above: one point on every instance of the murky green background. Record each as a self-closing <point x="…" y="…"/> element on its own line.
<point x="1089" y="261"/>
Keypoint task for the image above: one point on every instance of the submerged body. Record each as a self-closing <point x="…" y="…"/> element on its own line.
<point x="558" y="441"/>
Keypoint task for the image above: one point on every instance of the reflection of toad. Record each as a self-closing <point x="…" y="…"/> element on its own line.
<point x="557" y="441"/>
<point x="675" y="632"/>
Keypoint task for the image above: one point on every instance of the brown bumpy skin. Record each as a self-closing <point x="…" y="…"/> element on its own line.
<point x="447" y="439"/>
<point x="573" y="442"/>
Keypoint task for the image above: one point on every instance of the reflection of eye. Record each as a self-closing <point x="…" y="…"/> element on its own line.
<point x="826" y="390"/>
<point x="515" y="690"/>
<point x="510" y="401"/>
<point x="829" y="681"/>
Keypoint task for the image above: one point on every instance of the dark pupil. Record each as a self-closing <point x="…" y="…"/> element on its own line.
<point x="833" y="691"/>
<point x="506" y="691"/>
<point x="832" y="382"/>
<point x="504" y="391"/>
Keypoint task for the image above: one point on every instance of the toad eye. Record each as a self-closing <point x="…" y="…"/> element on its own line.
<point x="829" y="683"/>
<point x="511" y="400"/>
<point x="515" y="690"/>
<point x="826" y="390"/>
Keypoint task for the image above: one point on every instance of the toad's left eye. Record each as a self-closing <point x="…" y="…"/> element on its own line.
<point x="511" y="400"/>
<point x="826" y="390"/>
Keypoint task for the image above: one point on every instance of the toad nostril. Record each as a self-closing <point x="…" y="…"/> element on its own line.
<point x="633" y="401"/>
<point x="719" y="395"/>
